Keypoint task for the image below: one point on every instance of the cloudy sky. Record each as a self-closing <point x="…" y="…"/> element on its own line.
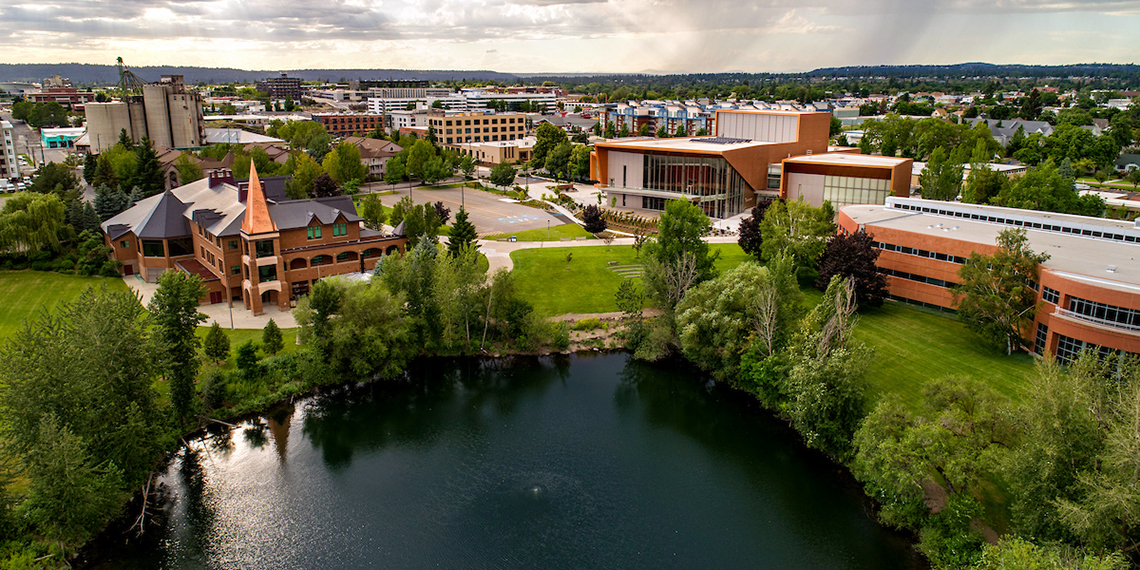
<point x="532" y="36"/>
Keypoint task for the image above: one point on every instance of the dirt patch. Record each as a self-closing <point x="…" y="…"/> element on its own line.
<point x="935" y="496"/>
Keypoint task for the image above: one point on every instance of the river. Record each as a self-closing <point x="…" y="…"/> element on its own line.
<point x="592" y="461"/>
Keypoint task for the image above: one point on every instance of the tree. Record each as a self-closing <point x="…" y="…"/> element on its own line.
<point x="942" y="177"/>
<point x="681" y="131"/>
<point x="418" y="156"/>
<point x="442" y="212"/>
<point x="467" y="165"/>
<point x="216" y="346"/>
<point x="797" y="229"/>
<point x="343" y="164"/>
<point x="611" y="131"/>
<point x="68" y="496"/>
<point x="1013" y="553"/>
<point x="271" y="338"/>
<point x="681" y="230"/>
<point x="824" y="385"/>
<point x="623" y="132"/>
<point x="547" y="138"/>
<point x="995" y="293"/>
<point x="305" y="172"/>
<point x="109" y="202"/>
<point x="751" y="239"/>
<point x="93" y="256"/>
<point x="503" y="175"/>
<point x="1043" y="188"/>
<point x="324" y="186"/>
<point x="394" y="170"/>
<point x="90" y="163"/>
<point x="372" y="210"/>
<point x="852" y="256"/>
<point x="463" y="234"/>
<point x="593" y="220"/>
<point x="148" y="172"/>
<point x="174" y="308"/>
<point x="662" y="131"/>
<point x="188" y="170"/>
<point x="54" y="178"/>
<point x="33" y="222"/>
<point x="558" y="161"/>
<point x="421" y="223"/>
<point x="434" y="170"/>
<point x="983" y="183"/>
<point x="643" y="130"/>
<point x="371" y="336"/>
<point x="580" y="162"/>
<point x="715" y="319"/>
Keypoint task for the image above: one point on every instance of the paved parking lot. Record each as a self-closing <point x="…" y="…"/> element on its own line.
<point x="490" y="213"/>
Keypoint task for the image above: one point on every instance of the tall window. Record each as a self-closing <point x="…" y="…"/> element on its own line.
<point x="339" y="230"/>
<point x="153" y="248"/>
<point x="264" y="248"/>
<point x="266" y="273"/>
<point x="314" y="232"/>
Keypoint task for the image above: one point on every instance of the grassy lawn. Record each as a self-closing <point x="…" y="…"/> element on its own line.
<point x="555" y="233"/>
<point x="590" y="283"/>
<point x="26" y="292"/>
<point x="914" y="346"/>
<point x="239" y="336"/>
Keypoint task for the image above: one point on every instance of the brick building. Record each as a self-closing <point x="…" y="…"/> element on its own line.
<point x="249" y="244"/>
<point x="1089" y="288"/>
<point x="346" y="124"/>
<point x="281" y="87"/>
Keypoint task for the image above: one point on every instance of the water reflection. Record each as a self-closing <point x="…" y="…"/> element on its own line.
<point x="582" y="462"/>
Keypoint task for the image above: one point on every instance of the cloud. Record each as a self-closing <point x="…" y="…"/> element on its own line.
<point x="569" y="35"/>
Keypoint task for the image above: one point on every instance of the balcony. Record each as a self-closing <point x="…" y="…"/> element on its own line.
<point x="1103" y="324"/>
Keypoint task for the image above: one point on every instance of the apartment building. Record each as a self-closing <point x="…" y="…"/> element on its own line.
<point x="9" y="163"/>
<point x="456" y="129"/>
<point x="281" y="87"/>
<point x="345" y="124"/>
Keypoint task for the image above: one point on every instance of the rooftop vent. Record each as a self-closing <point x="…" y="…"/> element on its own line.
<point x="1112" y="269"/>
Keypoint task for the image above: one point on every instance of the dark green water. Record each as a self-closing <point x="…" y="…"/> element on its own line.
<point x="567" y="462"/>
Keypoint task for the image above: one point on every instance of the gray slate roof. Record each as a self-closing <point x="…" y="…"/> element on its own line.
<point x="294" y="214"/>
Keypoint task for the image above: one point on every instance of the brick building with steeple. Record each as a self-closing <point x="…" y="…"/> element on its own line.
<point x="251" y="245"/>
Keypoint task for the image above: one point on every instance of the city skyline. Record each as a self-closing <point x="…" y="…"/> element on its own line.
<point x="569" y="36"/>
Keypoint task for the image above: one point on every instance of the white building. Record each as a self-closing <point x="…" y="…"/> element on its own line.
<point x="9" y="164"/>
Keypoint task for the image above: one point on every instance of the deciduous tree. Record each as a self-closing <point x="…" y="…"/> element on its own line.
<point x="174" y="308"/>
<point x="852" y="256"/>
<point x="216" y="346"/>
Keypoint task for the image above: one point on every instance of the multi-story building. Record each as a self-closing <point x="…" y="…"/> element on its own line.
<point x="1089" y="288"/>
<point x="457" y="129"/>
<point x="9" y="164"/>
<point x="67" y="96"/>
<point x="281" y="87"/>
<point x="345" y="124"/>
<point x="375" y="153"/>
<point x="844" y="178"/>
<point x="723" y="173"/>
<point x="167" y="113"/>
<point x="248" y="243"/>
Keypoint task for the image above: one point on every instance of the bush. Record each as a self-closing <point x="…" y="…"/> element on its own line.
<point x="587" y="325"/>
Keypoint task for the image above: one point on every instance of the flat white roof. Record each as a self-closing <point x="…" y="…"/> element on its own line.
<point x="1073" y="255"/>
<point x="849" y="159"/>
<point x="688" y="144"/>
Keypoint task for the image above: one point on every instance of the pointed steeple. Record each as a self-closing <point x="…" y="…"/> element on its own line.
<point x="257" y="219"/>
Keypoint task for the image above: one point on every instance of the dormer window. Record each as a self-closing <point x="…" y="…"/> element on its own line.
<point x="340" y="229"/>
<point x="314" y="232"/>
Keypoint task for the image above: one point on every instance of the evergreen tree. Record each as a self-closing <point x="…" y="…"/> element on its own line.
<point x="90" y="163"/>
<point x="174" y="308"/>
<point x="74" y="215"/>
<point x="109" y="201"/>
<point x="136" y="196"/>
<point x="217" y="344"/>
<point x="125" y="140"/>
<point x="463" y="234"/>
<point x="104" y="173"/>
<point x="91" y="219"/>
<point x="148" y="172"/>
<point x="271" y="337"/>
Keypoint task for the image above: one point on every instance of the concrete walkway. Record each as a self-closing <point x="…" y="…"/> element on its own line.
<point x="238" y="318"/>
<point x="499" y="252"/>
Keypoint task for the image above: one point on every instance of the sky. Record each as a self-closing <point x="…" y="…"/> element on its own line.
<point x="569" y="36"/>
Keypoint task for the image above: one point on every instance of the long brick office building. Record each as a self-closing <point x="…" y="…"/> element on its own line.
<point x="251" y="246"/>
<point x="1089" y="287"/>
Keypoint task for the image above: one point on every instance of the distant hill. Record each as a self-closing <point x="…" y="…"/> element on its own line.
<point x="981" y="70"/>
<point x="82" y="73"/>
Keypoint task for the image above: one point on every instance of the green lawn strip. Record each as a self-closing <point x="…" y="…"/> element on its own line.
<point x="913" y="347"/>
<point x="555" y="233"/>
<point x="589" y="285"/>
<point x="239" y="336"/>
<point x="26" y="292"/>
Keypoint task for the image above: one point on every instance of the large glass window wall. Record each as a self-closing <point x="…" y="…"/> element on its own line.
<point x="716" y="185"/>
<point x="846" y="190"/>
